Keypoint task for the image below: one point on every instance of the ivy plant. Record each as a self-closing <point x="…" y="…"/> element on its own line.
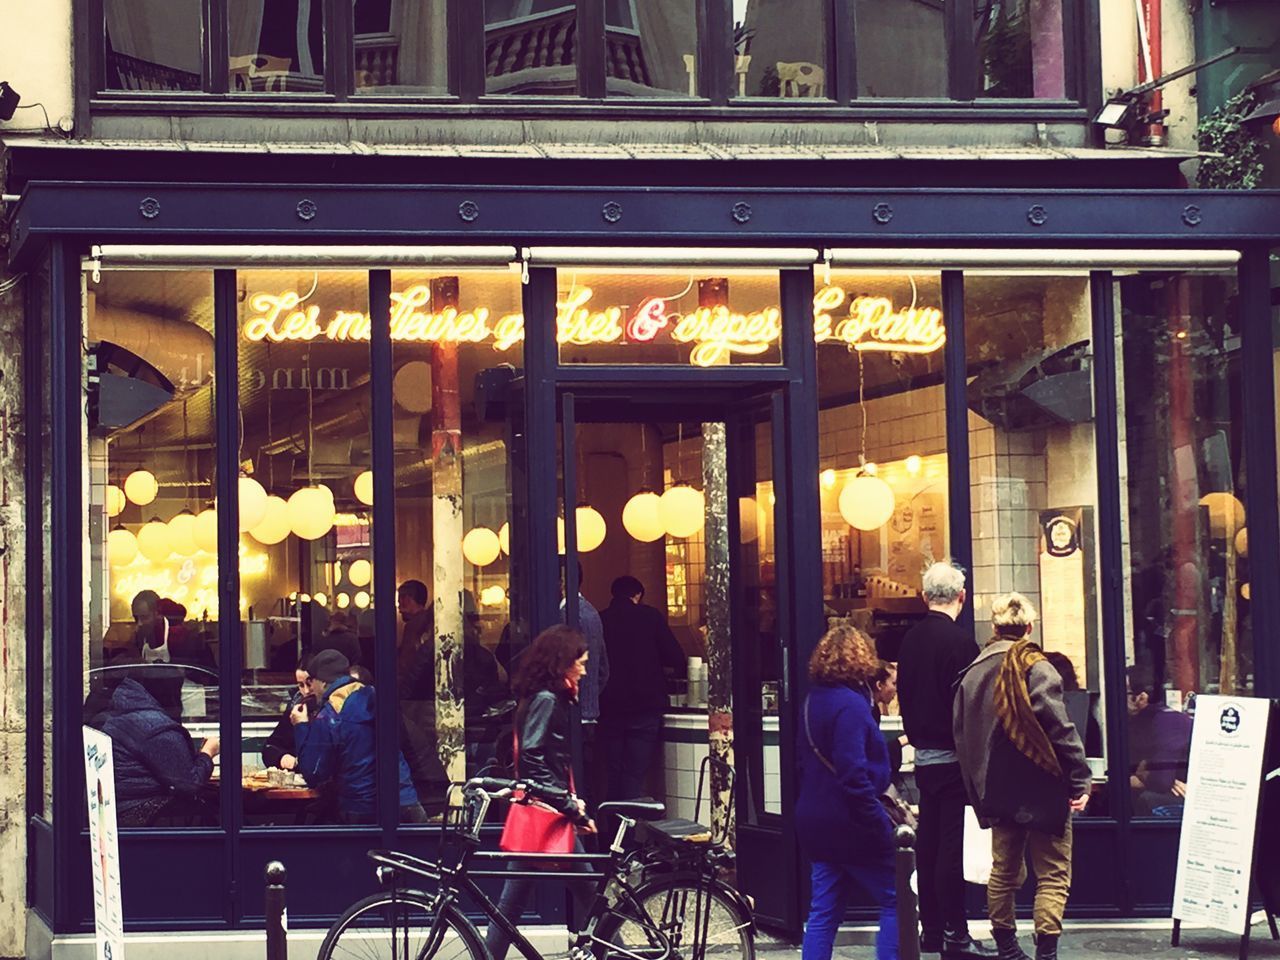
<point x="1240" y="164"/>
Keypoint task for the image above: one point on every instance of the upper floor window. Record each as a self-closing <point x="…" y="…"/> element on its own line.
<point x="717" y="52"/>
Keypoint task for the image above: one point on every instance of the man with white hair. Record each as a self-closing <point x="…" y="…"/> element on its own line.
<point x="933" y="653"/>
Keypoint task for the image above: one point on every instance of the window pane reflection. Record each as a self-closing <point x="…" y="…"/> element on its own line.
<point x="1021" y="52"/>
<point x="530" y="47"/>
<point x="152" y="44"/>
<point x="458" y="414"/>
<point x="780" y="48"/>
<point x="401" y="48"/>
<point x="151" y="673"/>
<point x="902" y="48"/>
<point x="1032" y="472"/>
<point x="1186" y="535"/>
<point x="651" y="48"/>
<point x="275" y="46"/>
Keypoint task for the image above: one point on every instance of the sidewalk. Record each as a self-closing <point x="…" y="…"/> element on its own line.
<point x="1085" y="940"/>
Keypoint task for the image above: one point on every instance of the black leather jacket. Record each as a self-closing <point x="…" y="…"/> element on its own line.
<point x="545" y="758"/>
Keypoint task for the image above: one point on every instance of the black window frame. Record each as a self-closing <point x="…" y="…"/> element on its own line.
<point x="466" y="70"/>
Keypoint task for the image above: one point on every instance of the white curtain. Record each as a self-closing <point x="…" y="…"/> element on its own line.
<point x="166" y="32"/>
<point x="422" y="27"/>
<point x="245" y="28"/>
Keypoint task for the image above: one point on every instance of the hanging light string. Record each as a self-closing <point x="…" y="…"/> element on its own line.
<point x="186" y="458"/>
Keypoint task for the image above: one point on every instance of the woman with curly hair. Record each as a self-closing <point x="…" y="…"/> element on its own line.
<point x="840" y="824"/>
<point x="545" y="685"/>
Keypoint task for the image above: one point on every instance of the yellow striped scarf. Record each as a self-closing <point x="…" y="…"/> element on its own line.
<point x="1013" y="707"/>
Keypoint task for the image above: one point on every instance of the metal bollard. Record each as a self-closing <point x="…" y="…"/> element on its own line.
<point x="908" y="904"/>
<point x="277" y="915"/>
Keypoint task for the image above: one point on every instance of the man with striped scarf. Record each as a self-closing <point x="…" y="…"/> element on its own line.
<point x="1025" y="772"/>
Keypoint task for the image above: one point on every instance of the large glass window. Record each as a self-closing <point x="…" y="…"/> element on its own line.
<point x="1186" y="531"/>
<point x="902" y="48"/>
<point x="151" y="656"/>
<point x="882" y="448"/>
<point x="458" y="414"/>
<point x="651" y="48"/>
<point x="306" y="552"/>
<point x="780" y="49"/>
<point x="1032" y="473"/>
<point x="401" y="47"/>
<point x="530" y="47"/>
<point x="660" y="317"/>
<point x="152" y="44"/>
<point x="1021" y="49"/>
<point x="275" y="46"/>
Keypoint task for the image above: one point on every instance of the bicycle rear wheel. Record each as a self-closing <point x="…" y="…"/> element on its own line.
<point x="686" y="911"/>
<point x="401" y="927"/>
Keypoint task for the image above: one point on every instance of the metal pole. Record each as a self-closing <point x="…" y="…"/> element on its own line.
<point x="277" y="916"/>
<point x="908" y="906"/>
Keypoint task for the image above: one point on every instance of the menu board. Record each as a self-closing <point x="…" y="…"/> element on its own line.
<point x="100" y="784"/>
<point x="1215" y="850"/>
<point x="1068" y="611"/>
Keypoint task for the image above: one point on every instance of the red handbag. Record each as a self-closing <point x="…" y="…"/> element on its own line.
<point x="534" y="827"/>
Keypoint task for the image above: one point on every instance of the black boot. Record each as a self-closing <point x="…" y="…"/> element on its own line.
<point x="1007" y="945"/>
<point x="958" y="945"/>
<point x="931" y="941"/>
<point x="1046" y="947"/>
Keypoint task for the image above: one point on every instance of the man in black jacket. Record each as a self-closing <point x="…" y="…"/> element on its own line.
<point x="933" y="653"/>
<point x="641" y="650"/>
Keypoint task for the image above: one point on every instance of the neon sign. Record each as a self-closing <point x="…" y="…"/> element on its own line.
<point x="716" y="333"/>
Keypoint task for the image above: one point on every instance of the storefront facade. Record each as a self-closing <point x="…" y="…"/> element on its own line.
<point x="521" y="349"/>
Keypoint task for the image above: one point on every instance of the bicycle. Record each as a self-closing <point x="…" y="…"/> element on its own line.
<point x="652" y="875"/>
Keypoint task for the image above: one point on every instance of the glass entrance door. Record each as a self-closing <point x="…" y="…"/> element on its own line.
<point x="671" y="517"/>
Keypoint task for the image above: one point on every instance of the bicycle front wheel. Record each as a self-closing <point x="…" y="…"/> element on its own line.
<point x="698" y="919"/>
<point x="401" y="927"/>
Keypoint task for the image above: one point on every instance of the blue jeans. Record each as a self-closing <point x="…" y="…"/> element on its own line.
<point x="833" y="885"/>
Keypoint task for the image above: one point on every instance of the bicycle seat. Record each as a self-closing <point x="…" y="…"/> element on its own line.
<point x="642" y="808"/>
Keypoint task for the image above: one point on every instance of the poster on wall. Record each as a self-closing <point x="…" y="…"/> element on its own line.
<point x="100" y="789"/>
<point x="1216" y="846"/>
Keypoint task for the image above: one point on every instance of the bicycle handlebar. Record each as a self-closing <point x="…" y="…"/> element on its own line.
<point x="498" y="788"/>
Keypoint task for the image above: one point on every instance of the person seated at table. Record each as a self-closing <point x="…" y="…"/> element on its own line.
<point x="159" y="771"/>
<point x="336" y="742"/>
<point x="280" y="750"/>
<point x="1159" y="747"/>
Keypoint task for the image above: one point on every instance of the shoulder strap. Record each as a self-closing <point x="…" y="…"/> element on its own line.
<point x="813" y="746"/>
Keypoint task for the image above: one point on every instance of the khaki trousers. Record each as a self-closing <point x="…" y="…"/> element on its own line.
<point x="1051" y="861"/>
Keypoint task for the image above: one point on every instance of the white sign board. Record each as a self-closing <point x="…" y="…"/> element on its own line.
<point x="100" y="787"/>
<point x="1215" y="851"/>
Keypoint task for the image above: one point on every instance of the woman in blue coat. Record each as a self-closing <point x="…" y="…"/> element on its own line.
<point x="844" y="768"/>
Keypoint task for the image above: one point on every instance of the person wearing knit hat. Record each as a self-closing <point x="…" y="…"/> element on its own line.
<point x="336" y="742"/>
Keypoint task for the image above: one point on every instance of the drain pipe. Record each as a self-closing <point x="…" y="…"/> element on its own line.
<point x="1150" y="64"/>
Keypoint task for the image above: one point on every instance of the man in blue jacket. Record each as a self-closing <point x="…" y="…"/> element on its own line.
<point x="336" y="745"/>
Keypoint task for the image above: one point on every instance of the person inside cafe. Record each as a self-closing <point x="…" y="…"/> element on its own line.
<point x="643" y="652"/>
<point x="415" y="660"/>
<point x="280" y="749"/>
<point x="160" y="774"/>
<point x="336" y="743"/>
<point x="339" y="635"/>
<point x="1159" y="747"/>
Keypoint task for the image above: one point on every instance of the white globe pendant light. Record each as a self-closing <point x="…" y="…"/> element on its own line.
<point x="206" y="530"/>
<point x="591" y="528"/>
<point x="866" y="502"/>
<point x="141" y="487"/>
<point x="642" y="517"/>
<point x="253" y="503"/>
<point x="311" y="512"/>
<point x="363" y="487"/>
<point x="748" y="519"/>
<point x="504" y="538"/>
<point x="360" y="573"/>
<point x="122" y="547"/>
<point x="114" y="500"/>
<point x="182" y="534"/>
<point x="361" y="600"/>
<point x="153" y="541"/>
<point x="274" y="526"/>
<point x="481" y="547"/>
<point x="682" y="509"/>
